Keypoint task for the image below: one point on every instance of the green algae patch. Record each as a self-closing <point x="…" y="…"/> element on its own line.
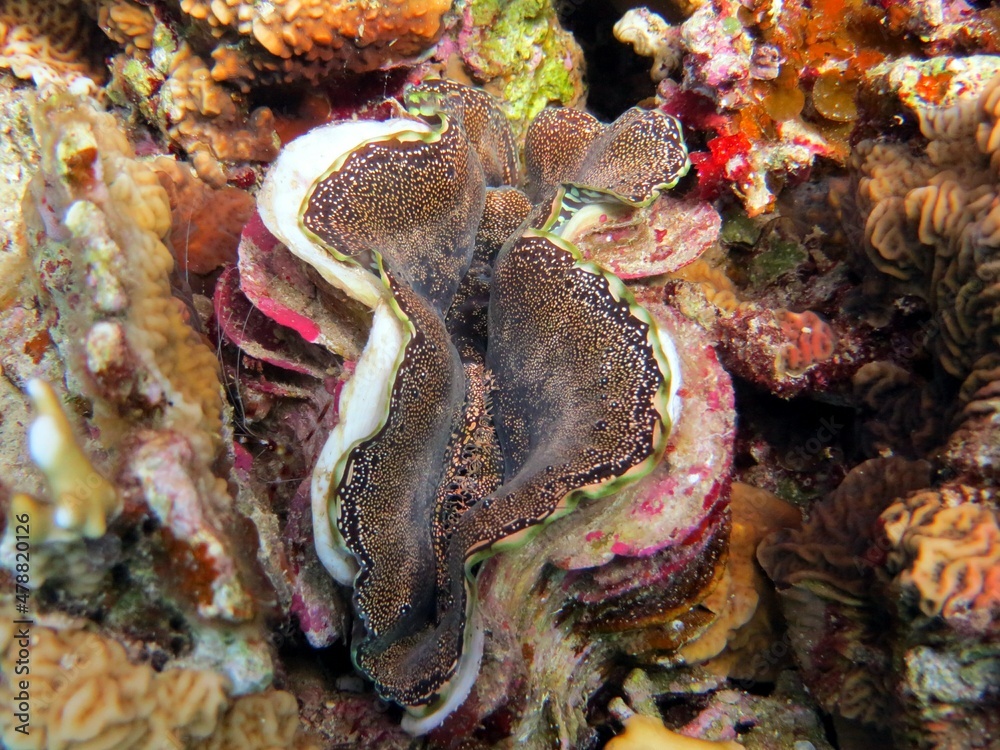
<point x="521" y="53"/>
<point x="781" y="256"/>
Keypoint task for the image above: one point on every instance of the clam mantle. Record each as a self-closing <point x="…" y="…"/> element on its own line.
<point x="505" y="378"/>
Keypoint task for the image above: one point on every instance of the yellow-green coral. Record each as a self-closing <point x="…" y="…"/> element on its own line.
<point x="518" y="49"/>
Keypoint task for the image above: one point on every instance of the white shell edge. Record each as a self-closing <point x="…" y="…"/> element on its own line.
<point x="363" y="404"/>
<point x="299" y="166"/>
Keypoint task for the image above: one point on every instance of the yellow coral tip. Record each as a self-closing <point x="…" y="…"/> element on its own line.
<point x="648" y="733"/>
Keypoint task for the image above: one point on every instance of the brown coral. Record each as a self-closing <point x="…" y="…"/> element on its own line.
<point x="295" y="39"/>
<point x="47" y="41"/>
<point x="205" y="223"/>
<point x="823" y="576"/>
<point x="945" y="548"/>
<point x="903" y="414"/>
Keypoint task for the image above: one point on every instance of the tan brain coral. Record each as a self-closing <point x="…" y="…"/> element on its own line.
<point x="932" y="220"/>
<point x="48" y="40"/>
<point x="945" y="547"/>
<point x="86" y="693"/>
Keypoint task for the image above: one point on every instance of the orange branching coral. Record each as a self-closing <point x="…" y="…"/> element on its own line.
<point x="85" y="693"/>
<point x="47" y="40"/>
<point x="945" y="547"/>
<point x="205" y="222"/>
<point x="810" y="340"/>
<point x="310" y="38"/>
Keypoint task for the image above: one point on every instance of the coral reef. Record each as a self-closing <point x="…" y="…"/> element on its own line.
<point x="928" y="223"/>
<point x="882" y="549"/>
<point x="822" y="576"/>
<point x="772" y="88"/>
<point x="339" y="367"/>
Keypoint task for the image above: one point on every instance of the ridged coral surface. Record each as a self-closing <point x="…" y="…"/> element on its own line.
<point x="945" y="547"/>
<point x="85" y="693"/>
<point x="315" y="36"/>
<point x="116" y="215"/>
<point x="47" y="41"/>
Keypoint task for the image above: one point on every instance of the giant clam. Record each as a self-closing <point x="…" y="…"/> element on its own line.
<point x="505" y="378"/>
